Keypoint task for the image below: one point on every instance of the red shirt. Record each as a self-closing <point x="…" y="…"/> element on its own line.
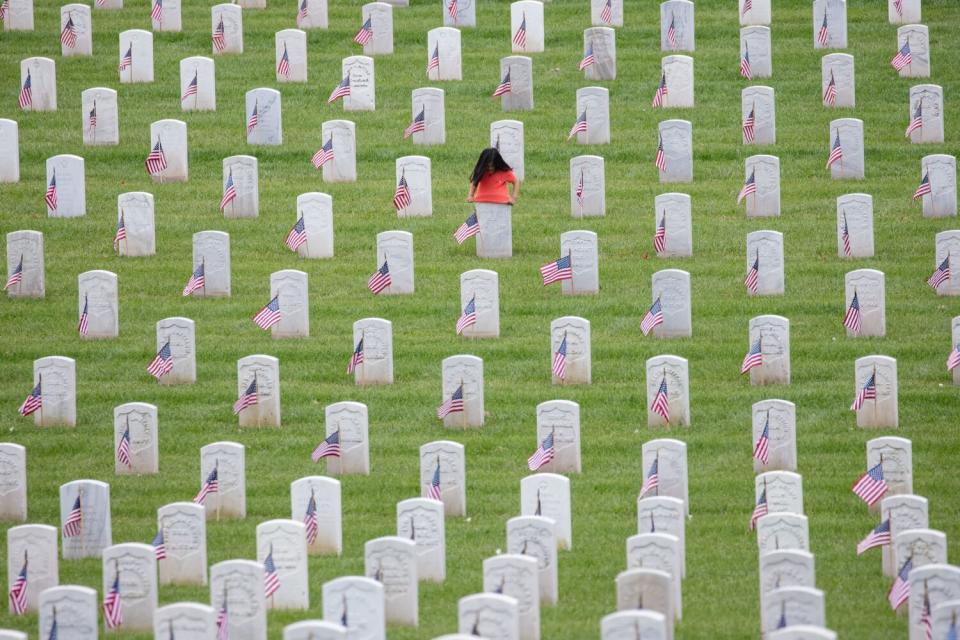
<point x="493" y="187"/>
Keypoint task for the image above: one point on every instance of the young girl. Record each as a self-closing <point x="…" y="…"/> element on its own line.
<point x="490" y="178"/>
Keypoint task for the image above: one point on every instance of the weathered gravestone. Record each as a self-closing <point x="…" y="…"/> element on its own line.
<point x="285" y="542"/>
<point x="351" y="421"/>
<point x="601" y="43"/>
<point x="660" y="551"/>
<point x="581" y="247"/>
<point x="796" y="605"/>
<point x="374" y="339"/>
<point x="312" y="14"/>
<point x="197" y="84"/>
<point x="847" y="135"/>
<point x="33" y="545"/>
<point x="783" y="491"/>
<point x="606" y="13"/>
<point x="535" y="536"/>
<point x="66" y="195"/>
<point x="561" y="418"/>
<point x="777" y="419"/>
<point x="171" y="135"/>
<point x="135" y="214"/>
<point x="392" y="561"/>
<point x="98" y="304"/>
<point x="362" y="86"/>
<point x="765" y="252"/>
<point x="896" y="456"/>
<point x="868" y="287"/>
<point x="180" y="335"/>
<point x="759" y="102"/>
<point x="629" y="625"/>
<point x="136" y="423"/>
<point x="783" y="531"/>
<point x="316" y="501"/>
<point x="772" y="333"/>
<point x="228" y="459"/>
<point x="189" y="620"/>
<point x="314" y="630"/>
<point x="227" y="28"/>
<point x="443" y="54"/>
<point x="674" y="213"/>
<point x="316" y="209"/>
<point x="672" y="288"/>
<point x="136" y="55"/>
<point x="930" y="586"/>
<point x="261" y="375"/>
<point x="662" y="514"/>
<point x="518" y="71"/>
<point x="42" y="74"/>
<point x="785" y="568"/>
<point x="903" y="11"/>
<point x="13" y="482"/>
<point x="926" y="108"/>
<point x="670" y="458"/>
<point x="356" y="603"/>
<point x="379" y="15"/>
<point x="593" y="105"/>
<point x="830" y="24"/>
<point x="342" y="138"/>
<point x="183" y="527"/>
<point x="676" y="26"/>
<point x="855" y="225"/>
<point x="754" y="12"/>
<point x="264" y="120"/>
<point x="76" y="31"/>
<point x="236" y="586"/>
<point x="240" y="173"/>
<point x="421" y="521"/>
<point x="915" y="38"/>
<point x="838" y="80"/>
<point x="9" y="151"/>
<point x="489" y="615"/>
<point x="289" y="286"/>
<point x="526" y="26"/>
<point x="572" y="334"/>
<point x="677" y="73"/>
<point x="672" y="372"/>
<point x="20" y="15"/>
<point x="507" y="137"/>
<point x="211" y="251"/>
<point x="881" y="409"/>
<point x="396" y="249"/>
<point x="99" y="117"/>
<point x="57" y="377"/>
<point x="764" y="170"/>
<point x="647" y="589"/>
<point x="73" y="609"/>
<point x="415" y="171"/>
<point x="450" y="459"/>
<point x="25" y="251"/>
<point x="165" y="16"/>
<point x="587" y="186"/>
<point x="463" y="373"/>
<point x="133" y="567"/>
<point x="516" y="576"/>
<point x="462" y="13"/>
<point x="548" y="495"/>
<point x="482" y="288"/>
<point x="756" y="48"/>
<point x="676" y="139"/>
<point x="940" y="171"/>
<point x="91" y="535"/>
<point x="428" y="102"/>
<point x="291" y="55"/>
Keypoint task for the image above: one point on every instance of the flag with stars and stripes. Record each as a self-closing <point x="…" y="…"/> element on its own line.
<point x="520" y="37"/>
<point x="748" y="125"/>
<point x="271" y="580"/>
<point x="229" y="192"/>
<point x="746" y="71"/>
<point x="156" y="160"/>
<point x="84" y="325"/>
<point x="418" y="124"/>
<point x="249" y="397"/>
<point x="579" y="192"/>
<point x="580" y="126"/>
<point x="559" y="366"/>
<point x="867" y="392"/>
<point x="126" y="62"/>
<point x="672" y="32"/>
<point x="311" y="520"/>
<point x="210" y="485"/>
<point x="661" y="401"/>
<point x="469" y="228"/>
<point x="112" y="611"/>
<point x="754" y="357"/>
<point x="761" y="448"/>
<point x="747" y="7"/>
<point x="559" y="269"/>
<point x="924" y="189"/>
<point x="162" y="363"/>
<point x="544" y="453"/>
<point x="25" y="99"/>
<point x="759" y="510"/>
<point x="878" y="537"/>
<point x="50" y="196"/>
<point x="5" y="10"/>
<point x="823" y="35"/>
<point x="941" y="274"/>
<point x="916" y="122"/>
<point x="845" y="237"/>
<point x="903" y="57"/>
<point x="330" y="447"/>
<point x="324" y="154"/>
<point x="68" y="35"/>
<point x="652" y="481"/>
<point x="219" y="36"/>
<point x="159" y="546"/>
<point x="871" y="486"/>
<point x="661" y="91"/>
<point x="365" y="34"/>
<point x="898" y="7"/>
<point x="606" y="14"/>
<point x="18" y="591"/>
<point x="283" y="67"/>
<point x="302" y="12"/>
<point x="33" y="402"/>
<point x="74" y="522"/>
<point x="454" y="404"/>
<point x="123" y="448"/>
<point x="191" y="89"/>
<point x="401" y="195"/>
<point x="434" y="62"/>
<point x="356" y="357"/>
<point x="254" y="118"/>
<point x="830" y="94"/>
<point x="452" y="9"/>
<point x="953" y="361"/>
<point x="749" y="187"/>
<point x="380" y="279"/>
<point x="196" y="281"/>
<point x="341" y="90"/>
<point x="926" y="619"/>
<point x="652" y="318"/>
<point x="297" y="236"/>
<point x="504" y="86"/>
<point x="587" y="58"/>
<point x="223" y="621"/>
<point x="852" y="319"/>
<point x="836" y="151"/>
<point x="16" y="277"/>
<point x="660" y="159"/>
<point x="121" y="233"/>
<point x="435" y="492"/>
<point x="752" y="279"/>
<point x="900" y="589"/>
<point x="269" y="315"/>
<point x="92" y="119"/>
<point x="157" y="11"/>
<point x="468" y="317"/>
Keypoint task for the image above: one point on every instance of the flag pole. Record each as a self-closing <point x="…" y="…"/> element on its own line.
<point x="256" y="391"/>
<point x="20" y="282"/>
<point x="363" y="364"/>
<point x="40" y="408"/>
<point x="668" y="406"/>
<point x="203" y="263"/>
<point x="83" y="543"/>
<point x="129" y="465"/>
<point x="233" y="200"/>
<point x="93" y="129"/>
<point x="463" y="420"/>
<point x="196" y="94"/>
<point x="216" y="467"/>
<point x="570" y="256"/>
<point x="657" y="461"/>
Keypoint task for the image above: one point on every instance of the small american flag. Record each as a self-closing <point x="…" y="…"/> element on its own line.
<point x="606" y="14"/>
<point x="452" y="10"/>
<point x="469" y="228"/>
<point x="752" y="281"/>
<point x="879" y="537"/>
<point x="504" y="86"/>
<point x="748" y="125"/>
<point x="759" y="510"/>
<point x="468" y="317"/>
<point x="747" y="7"/>
<point x="418" y="125"/>
<point x="903" y="57"/>
<point x="435" y="491"/>
<point x="867" y="392"/>
<point x="917" y="121"/>
<point x="302" y="12"/>
<point x="112" y="612"/>
<point x="126" y="62"/>
<point x="229" y="192"/>
<point x="953" y="361"/>
<point x="871" y="486"/>
<point x="25" y="100"/>
<point x="941" y="275"/>
<point x="16" y="277"/>
<point x="380" y="279"/>
<point x="672" y="32"/>
<point x="74" y="523"/>
<point x="53" y="627"/>
<point x="520" y="37"/>
<point x="579" y="192"/>
<point x="219" y="36"/>
<point x="311" y="520"/>
<point x="845" y="237"/>
<point x="900" y="589"/>
<point x="434" y="62"/>
<point x="652" y="481"/>
<point x="830" y="94"/>
<point x="162" y="363"/>
<point x="33" y="402"/>
<point x="746" y="71"/>
<point x="18" y="590"/>
<point x="254" y="118"/>
<point x="68" y="35"/>
<point x="249" y="397"/>
<point x="4" y="9"/>
<point x="926" y="619"/>
<point x="587" y="59"/>
<point x="660" y="159"/>
<point x="661" y="92"/>
<point x="559" y="366"/>
<point x="652" y="318"/>
<point x="544" y="453"/>
<point x="365" y="34"/>
<point x="559" y="269"/>
<point x="749" y="187"/>
<point x="341" y="90"/>
<point x="157" y="11"/>
<point x="401" y="195"/>
<point x="191" y="89"/>
<point x="924" y="189"/>
<point x="754" y="357"/>
<point x="580" y="126"/>
<point x="297" y="235"/>
<point x="283" y="67"/>
<point x="210" y="485"/>
<point x="952" y="631"/>
<point x="324" y="154"/>
<point x="196" y="281"/>
<point x="123" y="449"/>
<point x="92" y="118"/>
<point x="823" y="36"/>
<point x="50" y="197"/>
<point x="269" y="315"/>
<point x="223" y="621"/>
<point x="330" y="447"/>
<point x="356" y="358"/>
<point x="761" y="448"/>
<point x="84" y="325"/>
<point x="898" y="6"/>
<point x="271" y="581"/>
<point x="156" y="160"/>
<point x="661" y="401"/>
<point x="452" y="405"/>
<point x="159" y="546"/>
<point x="852" y="319"/>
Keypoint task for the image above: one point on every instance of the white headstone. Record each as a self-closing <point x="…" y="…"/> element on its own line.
<point x="785" y="568"/>
<point x="180" y="333"/>
<point x="647" y="589"/>
<point x="759" y="101"/>
<point x="343" y="138"/>
<point x="921" y="546"/>
<point x="601" y="42"/>
<point x="629" y="625"/>
<point x="783" y="489"/>
<point x="520" y="70"/>
<point x="773" y="333"/>
<point x="507" y="137"/>
<point x="802" y="632"/>
<point x="380" y="15"/>
<point x="358" y="604"/>
<point x="172" y="136"/>
<point x="352" y="421"/>
<point x="581" y="246"/>
<point x="676" y="136"/>
<point x="783" y="531"/>
<point x="421" y="521"/>
<point x="362" y="87"/>
<point x="396" y="249"/>
<point x="674" y="212"/>
<point x="779" y="419"/>
<point x="754" y="12"/>
<point x="930" y="586"/>
<point x="184" y="528"/>
<point x="837" y="68"/>
<point x="392" y="561"/>
<point x="67" y="174"/>
<point x="135" y="212"/>
<point x="286" y="542"/>
<point x="228" y="19"/>
<point x="290" y="287"/>
<point x="765" y="171"/>
<point x="463" y="373"/>
<point x="376" y="336"/>
<point x="20" y="15"/>
<point x="660" y="551"/>
<point x="314" y="630"/>
<point x="99" y="116"/>
<point x="325" y="493"/>
<point x="677" y="72"/>
<point x="73" y="608"/>
<point x="187" y="620"/>
<point x="13" y="483"/>
<point x="868" y="286"/>
<point x="291" y="55"/>
<point x="416" y="171"/>
<point x="593" y="103"/>
<point x="606" y="13"/>
<point x="676" y="25"/>
<point x="211" y="249"/>
<point x="662" y="514"/>
<point x="9" y="151"/>
<point x="452" y="461"/>
<point x="516" y="576"/>
<point x="242" y="173"/>
<point x="35" y="545"/>
<point x="947" y="244"/>
<point x="918" y="36"/>
<point x="855" y="211"/>
<point x="562" y="419"/>
<point x="134" y="565"/>
<point x="98" y="298"/>
<point x="445" y="43"/>
<point x="316" y="209"/>
<point x="945" y="615"/>
<point x="670" y="457"/>
<point x="488" y="615"/>
<point x="895" y="454"/>
<point x="672" y="288"/>
<point x="882" y="410"/>
<point x="464" y="16"/>
<point x="137" y="423"/>
<point x="265" y="370"/>
<point x="237" y="585"/>
<point x="904" y="12"/>
<point x="76" y="18"/>
<point x="587" y="186"/>
<point x="170" y="18"/>
<point x="94" y="535"/>
<point x="526" y="26"/>
<point x="42" y="73"/>
<point x="314" y="14"/>
<point x="755" y="41"/>
<point x="850" y="133"/>
<point x="429" y="102"/>
<point x="833" y="14"/>
<point x="482" y="287"/>
<point x="767" y="248"/>
<point x="57" y="377"/>
<point x="26" y="246"/>
<point x="941" y="170"/>
<point x="229" y="460"/>
<point x="548" y="495"/>
<point x="263" y="111"/>
<point x="138" y="43"/>
<point x="535" y="536"/>
<point x="926" y="101"/>
<point x="575" y="332"/>
<point x="495" y="238"/>
<point x="674" y="371"/>
<point x="796" y="605"/>
<point x="205" y="96"/>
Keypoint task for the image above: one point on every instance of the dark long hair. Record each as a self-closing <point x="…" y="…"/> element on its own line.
<point x="490" y="160"/>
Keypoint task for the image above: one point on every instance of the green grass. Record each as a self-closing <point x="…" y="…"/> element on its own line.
<point x="720" y="592"/>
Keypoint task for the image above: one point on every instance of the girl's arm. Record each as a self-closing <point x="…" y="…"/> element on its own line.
<point x="515" y="192"/>
<point x="473" y="189"/>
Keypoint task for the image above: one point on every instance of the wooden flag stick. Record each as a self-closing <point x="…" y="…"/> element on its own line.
<point x="216" y="466"/>
<point x="463" y="414"/>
